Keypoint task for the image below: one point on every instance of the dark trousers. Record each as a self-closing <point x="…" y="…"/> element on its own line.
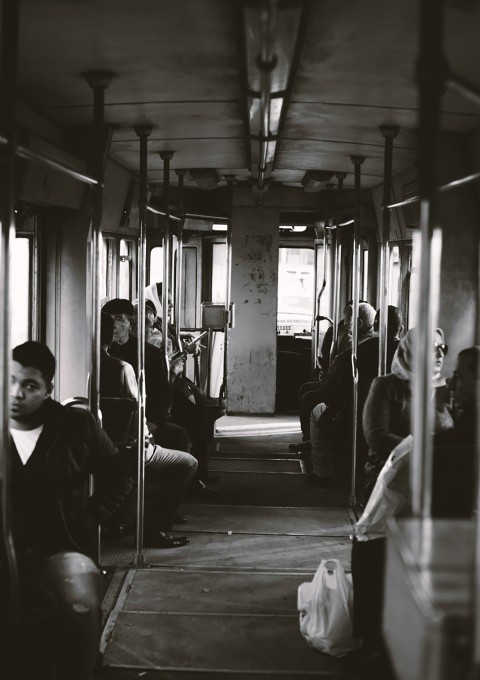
<point x="368" y="576"/>
<point x="60" y="625"/>
<point x="309" y="396"/>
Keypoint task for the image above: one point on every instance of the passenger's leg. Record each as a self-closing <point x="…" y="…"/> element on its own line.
<point x="65" y="595"/>
<point x="368" y="575"/>
<point x="172" y="436"/>
<point x="321" y="438"/>
<point x="168" y="474"/>
<point x="307" y="403"/>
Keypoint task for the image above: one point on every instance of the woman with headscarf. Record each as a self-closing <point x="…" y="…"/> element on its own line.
<point x="386" y="422"/>
<point x="386" y="416"/>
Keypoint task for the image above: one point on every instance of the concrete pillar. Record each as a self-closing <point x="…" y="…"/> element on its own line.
<point x="252" y="353"/>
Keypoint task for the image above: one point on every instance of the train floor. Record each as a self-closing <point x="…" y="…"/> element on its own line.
<point x="225" y="605"/>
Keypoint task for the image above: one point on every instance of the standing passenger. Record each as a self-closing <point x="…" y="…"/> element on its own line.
<point x="54" y="520"/>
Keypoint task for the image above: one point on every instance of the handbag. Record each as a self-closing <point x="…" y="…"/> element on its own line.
<point x="325" y="606"/>
<point x="390" y="495"/>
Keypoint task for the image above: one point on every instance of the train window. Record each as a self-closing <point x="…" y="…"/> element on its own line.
<point x="295" y="290"/>
<point x="156" y="265"/>
<point x="394" y="285"/>
<point x="365" y="275"/>
<point x="21" y="289"/>
<point x="219" y="272"/>
<point x="107" y="287"/>
<point x="125" y="269"/>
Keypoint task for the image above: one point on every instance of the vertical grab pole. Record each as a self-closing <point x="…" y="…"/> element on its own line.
<point x="98" y="82"/>
<point x="166" y="156"/>
<point x="8" y="96"/>
<point x="178" y="287"/>
<point x="357" y="162"/>
<point x="143" y="132"/>
<point x="337" y="270"/>
<point x="431" y="79"/>
<point x="231" y="181"/>
<point x="388" y="132"/>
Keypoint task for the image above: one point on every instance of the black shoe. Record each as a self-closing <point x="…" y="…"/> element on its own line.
<point x="164" y="541"/>
<point x="324" y="482"/>
<point x="200" y="490"/>
<point x="294" y="447"/>
<point x="180" y="519"/>
<point x="213" y="478"/>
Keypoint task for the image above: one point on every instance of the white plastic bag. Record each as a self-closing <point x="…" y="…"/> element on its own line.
<point x="325" y="606"/>
<point x="390" y="494"/>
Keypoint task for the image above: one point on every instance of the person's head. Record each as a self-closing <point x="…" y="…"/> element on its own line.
<point x="440" y="350"/>
<point x="465" y="378"/>
<point x="348" y="313"/>
<point x="395" y="325"/>
<point x="33" y="368"/>
<point x="150" y="317"/>
<point x="403" y="359"/>
<point x="121" y="311"/>
<point x="106" y="330"/>
<point x="170" y="302"/>
<point x="366" y="318"/>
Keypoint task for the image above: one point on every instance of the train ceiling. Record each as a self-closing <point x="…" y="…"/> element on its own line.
<point x="324" y="74"/>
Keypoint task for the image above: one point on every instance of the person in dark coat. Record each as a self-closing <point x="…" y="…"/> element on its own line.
<point x="454" y="453"/>
<point x="157" y="384"/>
<point x="54" y="450"/>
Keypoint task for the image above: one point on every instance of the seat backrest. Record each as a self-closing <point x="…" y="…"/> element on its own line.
<point x="119" y="419"/>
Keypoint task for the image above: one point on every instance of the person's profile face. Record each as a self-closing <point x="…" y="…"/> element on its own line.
<point x="28" y="391"/>
<point x="121" y="328"/>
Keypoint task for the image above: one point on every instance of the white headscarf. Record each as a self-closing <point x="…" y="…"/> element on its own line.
<point x="151" y="293"/>
<point x="402" y="362"/>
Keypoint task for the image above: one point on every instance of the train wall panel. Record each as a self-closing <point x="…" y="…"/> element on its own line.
<point x="458" y="215"/>
<point x="252" y="356"/>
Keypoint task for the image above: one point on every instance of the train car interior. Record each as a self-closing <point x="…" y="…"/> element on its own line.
<point x="273" y="165"/>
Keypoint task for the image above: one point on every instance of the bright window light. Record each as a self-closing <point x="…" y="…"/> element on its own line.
<point x="290" y="227"/>
<point x="219" y="227"/>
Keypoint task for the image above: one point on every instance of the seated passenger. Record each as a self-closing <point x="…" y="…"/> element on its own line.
<point x="338" y="436"/>
<point x="157" y="385"/>
<point x="454" y="460"/>
<point x="190" y="410"/>
<point x="168" y="472"/>
<point x="54" y="520"/>
<point x="117" y="377"/>
<point x="453" y="495"/>
<point x="311" y="393"/>
<point x="386" y="416"/>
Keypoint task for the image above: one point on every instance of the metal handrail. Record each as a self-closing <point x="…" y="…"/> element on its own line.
<point x="143" y="132"/>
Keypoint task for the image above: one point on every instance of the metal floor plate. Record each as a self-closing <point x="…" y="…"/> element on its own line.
<point x="256" y="465"/>
<point x="271" y="521"/>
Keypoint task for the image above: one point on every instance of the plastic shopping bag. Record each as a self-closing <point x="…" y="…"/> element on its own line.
<point x="390" y="494"/>
<point x="325" y="606"/>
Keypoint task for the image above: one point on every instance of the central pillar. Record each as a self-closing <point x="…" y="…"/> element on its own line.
<point x="252" y="354"/>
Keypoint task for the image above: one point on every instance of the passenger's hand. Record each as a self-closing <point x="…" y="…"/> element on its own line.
<point x="176" y="367"/>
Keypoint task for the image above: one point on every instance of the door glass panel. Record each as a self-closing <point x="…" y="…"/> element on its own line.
<point x="296" y="290"/>
<point x="20" y="290"/>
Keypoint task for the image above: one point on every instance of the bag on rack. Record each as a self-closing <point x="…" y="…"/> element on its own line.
<point x="325" y="606"/>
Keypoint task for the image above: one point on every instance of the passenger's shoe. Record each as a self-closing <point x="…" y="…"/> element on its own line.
<point x="180" y="519"/>
<point x="213" y="478"/>
<point x="200" y="490"/>
<point x="324" y="482"/>
<point x="164" y="541"/>
<point x="301" y="447"/>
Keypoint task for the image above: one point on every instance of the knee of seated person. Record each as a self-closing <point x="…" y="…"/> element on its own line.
<point x="69" y="584"/>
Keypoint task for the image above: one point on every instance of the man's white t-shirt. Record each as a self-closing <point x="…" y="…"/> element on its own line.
<point x="25" y="441"/>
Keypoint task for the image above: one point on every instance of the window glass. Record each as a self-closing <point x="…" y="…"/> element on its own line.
<point x="219" y="272"/>
<point x="295" y="290"/>
<point x="107" y="265"/>
<point x="156" y="265"/>
<point x="125" y="269"/>
<point x="394" y="282"/>
<point x="20" y="274"/>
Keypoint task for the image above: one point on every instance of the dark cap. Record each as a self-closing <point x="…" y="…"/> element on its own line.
<point x="118" y="306"/>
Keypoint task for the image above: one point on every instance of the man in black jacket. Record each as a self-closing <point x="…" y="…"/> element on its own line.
<point x="54" y="518"/>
